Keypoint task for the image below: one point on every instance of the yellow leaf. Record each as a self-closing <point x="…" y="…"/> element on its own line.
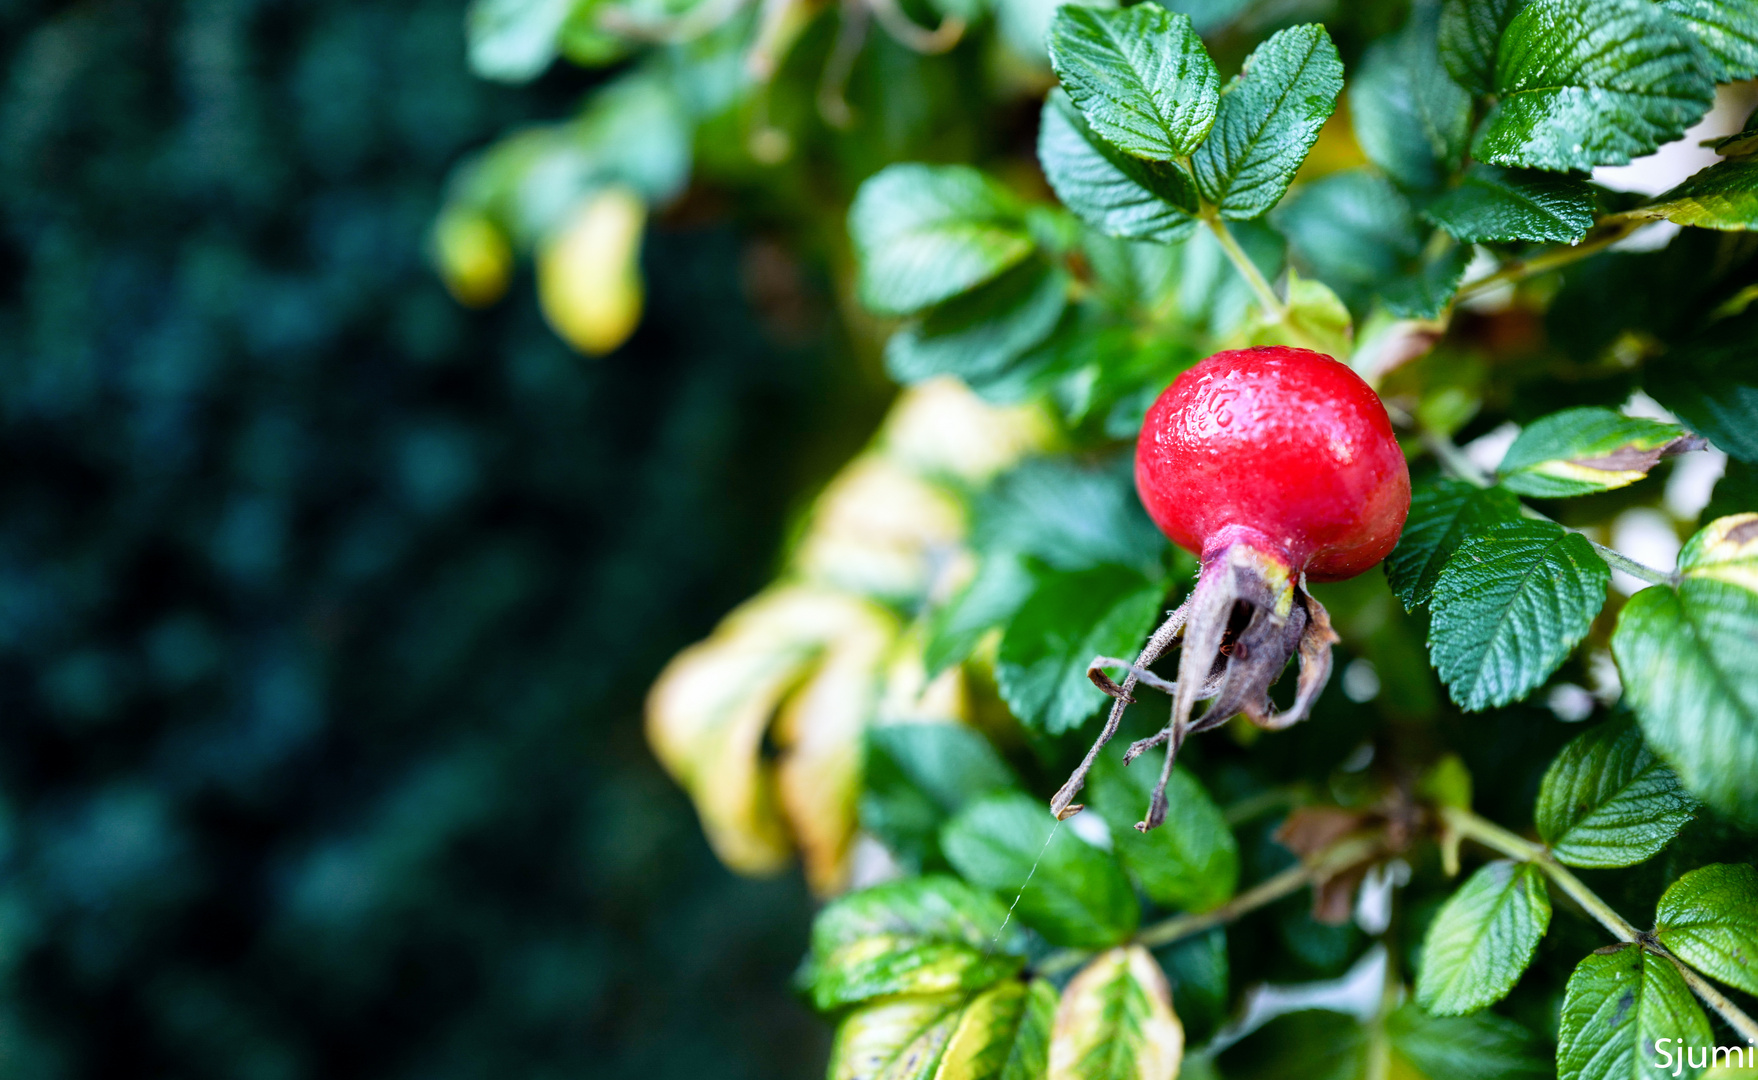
<point x="709" y="709"/>
<point x="940" y="428"/>
<point x="474" y="259"/>
<point x="878" y="529"/>
<point x="589" y="276"/>
<point x="1726" y="550"/>
<point x="1116" y="1021"/>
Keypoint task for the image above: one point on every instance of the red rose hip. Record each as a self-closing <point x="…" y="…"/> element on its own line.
<point x="1284" y="449"/>
<point x="1274" y="466"/>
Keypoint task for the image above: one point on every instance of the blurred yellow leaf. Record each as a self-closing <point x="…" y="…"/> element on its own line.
<point x="709" y="710"/>
<point x="879" y="530"/>
<point x="475" y="261"/>
<point x="940" y="428"/>
<point x="589" y="275"/>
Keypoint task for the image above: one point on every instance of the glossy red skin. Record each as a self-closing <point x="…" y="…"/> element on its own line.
<point x="1285" y="449"/>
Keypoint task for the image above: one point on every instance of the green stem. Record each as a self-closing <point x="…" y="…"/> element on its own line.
<point x="1266" y="296"/>
<point x="1615" y="226"/>
<point x="1453" y="459"/>
<point x="1496" y="838"/>
<point x="1340" y="855"/>
<point x="1620" y="561"/>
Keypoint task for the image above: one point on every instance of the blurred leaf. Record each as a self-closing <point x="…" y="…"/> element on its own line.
<point x="589" y="276"/>
<point x="1198" y="968"/>
<point x="919" y="774"/>
<point x="1492" y="204"/>
<point x="921" y="935"/>
<point x="1140" y="76"/>
<point x="1116" y="1022"/>
<point x="1316" y="319"/>
<point x="1606" y="801"/>
<point x="1686" y="655"/>
<point x="1002" y="584"/>
<point x="1710" y="383"/>
<point x="1723" y="196"/>
<point x="976" y="335"/>
<point x="1353" y="229"/>
<point x="1580" y="451"/>
<point x="514" y="40"/>
<point x="1427" y="290"/>
<point x="1071" y="618"/>
<point x="1736" y="492"/>
<point x="1509" y="607"/>
<point x="710" y="708"/>
<point x="1004" y="1034"/>
<point x="1410" y="117"/>
<point x="1483" y="939"/>
<point x="1482" y="1046"/>
<point x="1192" y="862"/>
<point x="1117" y="194"/>
<point x="1269" y="117"/>
<point x="1728" y="30"/>
<point x="1709" y="919"/>
<point x="1618" y="1002"/>
<point x="1069" y="516"/>
<point x="1592" y="82"/>
<point x="1443" y="512"/>
<point x="1064" y="888"/>
<point x="926" y="233"/>
<point x="1469" y="33"/>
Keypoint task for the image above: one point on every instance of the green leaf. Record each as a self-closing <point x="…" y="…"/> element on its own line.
<point x="1581" y="451"/>
<point x="1064" y="888"/>
<point x="1483" y="938"/>
<point x="1192" y="863"/>
<point x="1070" y="517"/>
<point x="1352" y="230"/>
<point x="899" y="1039"/>
<point x="919" y="935"/>
<point x="1071" y="618"/>
<point x="1509" y="606"/>
<point x="513" y="41"/>
<point x="919" y="774"/>
<point x="1002" y="584"/>
<point x="1003" y="1035"/>
<point x="979" y="334"/>
<point x="1116" y="1021"/>
<point x="1711" y="384"/>
<point x="1728" y="30"/>
<point x="1117" y="194"/>
<point x="1607" y="801"/>
<point x="1140" y="76"/>
<point x="1269" y="117"/>
<point x="1687" y="656"/>
<point x="1197" y="966"/>
<point x="1492" y="204"/>
<point x="1709" y="919"/>
<point x="1443" y="512"/>
<point x="925" y="233"/>
<point x="1723" y="196"/>
<point x="1469" y="33"/>
<point x="1736" y="492"/>
<point x="1482" y="1046"/>
<point x="1592" y="82"/>
<point x="1410" y="117"/>
<point x="1618" y="1002"/>
<point x="1316" y="319"/>
<point x="1425" y="292"/>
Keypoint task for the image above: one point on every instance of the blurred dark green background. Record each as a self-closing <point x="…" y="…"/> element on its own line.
<point x="326" y="606"/>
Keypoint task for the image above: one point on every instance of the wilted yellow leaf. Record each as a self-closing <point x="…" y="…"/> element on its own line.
<point x="1116" y="1021"/>
<point x="589" y="275"/>
<point x="879" y="529"/>
<point x="940" y="428"/>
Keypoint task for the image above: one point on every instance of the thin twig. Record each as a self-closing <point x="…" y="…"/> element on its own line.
<point x="1339" y="856"/>
<point x="1616" y="226"/>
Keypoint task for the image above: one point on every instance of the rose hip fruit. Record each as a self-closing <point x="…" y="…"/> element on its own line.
<point x="1274" y="466"/>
